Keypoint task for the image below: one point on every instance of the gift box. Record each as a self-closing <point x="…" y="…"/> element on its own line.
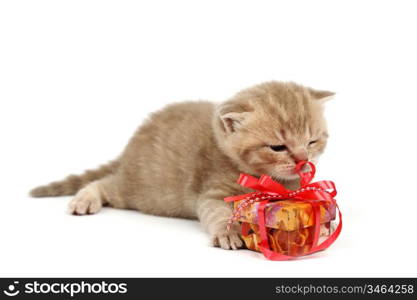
<point x="289" y="225"/>
<point x="282" y="223"/>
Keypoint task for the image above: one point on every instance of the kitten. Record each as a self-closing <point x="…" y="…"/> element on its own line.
<point x="187" y="157"/>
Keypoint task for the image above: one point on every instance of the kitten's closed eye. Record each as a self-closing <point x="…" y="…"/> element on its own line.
<point x="278" y="148"/>
<point x="313" y="142"/>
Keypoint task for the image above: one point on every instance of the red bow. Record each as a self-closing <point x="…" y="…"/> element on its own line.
<point x="270" y="190"/>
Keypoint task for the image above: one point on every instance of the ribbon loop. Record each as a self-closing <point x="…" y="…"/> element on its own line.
<point x="305" y="177"/>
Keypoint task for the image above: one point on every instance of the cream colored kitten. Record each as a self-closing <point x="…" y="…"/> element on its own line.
<point x="187" y="157"/>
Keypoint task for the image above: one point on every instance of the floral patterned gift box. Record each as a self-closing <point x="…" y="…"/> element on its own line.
<point x="289" y="226"/>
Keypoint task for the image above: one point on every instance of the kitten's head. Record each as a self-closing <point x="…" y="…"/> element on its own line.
<point x="268" y="128"/>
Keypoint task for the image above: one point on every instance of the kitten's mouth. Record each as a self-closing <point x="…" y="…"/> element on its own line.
<point x="288" y="176"/>
<point x="289" y="173"/>
<point x="285" y="174"/>
<point x="305" y="168"/>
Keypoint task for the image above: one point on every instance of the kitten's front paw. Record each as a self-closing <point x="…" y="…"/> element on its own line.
<point x="227" y="239"/>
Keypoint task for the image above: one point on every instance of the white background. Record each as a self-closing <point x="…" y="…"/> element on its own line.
<point x="77" y="78"/>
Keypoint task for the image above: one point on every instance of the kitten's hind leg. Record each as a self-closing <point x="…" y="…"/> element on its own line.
<point x="91" y="198"/>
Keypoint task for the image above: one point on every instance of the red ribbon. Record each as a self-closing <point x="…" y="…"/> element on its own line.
<point x="269" y="190"/>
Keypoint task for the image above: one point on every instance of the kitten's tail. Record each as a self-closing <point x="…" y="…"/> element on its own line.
<point x="73" y="183"/>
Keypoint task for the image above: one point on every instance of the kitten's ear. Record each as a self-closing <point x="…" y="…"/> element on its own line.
<point x="322" y="96"/>
<point x="232" y="121"/>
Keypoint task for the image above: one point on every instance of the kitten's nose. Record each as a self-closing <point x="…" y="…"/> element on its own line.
<point x="300" y="156"/>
